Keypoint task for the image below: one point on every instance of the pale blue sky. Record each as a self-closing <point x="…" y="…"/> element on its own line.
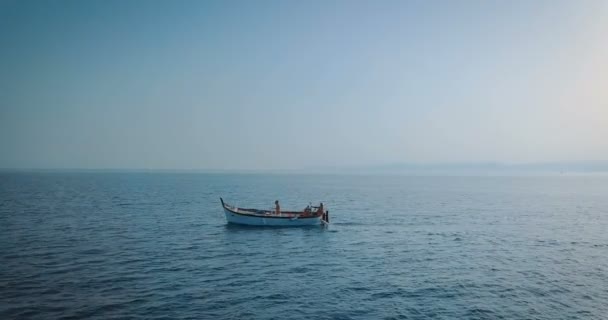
<point x="299" y="84"/>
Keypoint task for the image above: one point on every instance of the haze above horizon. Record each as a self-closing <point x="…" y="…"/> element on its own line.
<point x="257" y="85"/>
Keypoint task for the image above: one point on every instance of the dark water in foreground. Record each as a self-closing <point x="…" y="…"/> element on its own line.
<point x="151" y="246"/>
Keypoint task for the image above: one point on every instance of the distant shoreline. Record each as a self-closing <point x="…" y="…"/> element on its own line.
<point x="598" y="169"/>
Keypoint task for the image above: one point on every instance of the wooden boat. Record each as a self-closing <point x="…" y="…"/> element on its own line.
<point x="255" y="217"/>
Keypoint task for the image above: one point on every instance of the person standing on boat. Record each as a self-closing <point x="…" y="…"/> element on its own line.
<point x="320" y="210"/>
<point x="277" y="208"/>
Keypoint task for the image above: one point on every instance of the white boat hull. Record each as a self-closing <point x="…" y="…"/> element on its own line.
<point x="269" y="220"/>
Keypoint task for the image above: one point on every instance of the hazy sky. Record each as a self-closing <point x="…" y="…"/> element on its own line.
<point x="292" y="84"/>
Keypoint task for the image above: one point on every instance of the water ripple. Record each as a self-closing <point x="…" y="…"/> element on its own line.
<point x="156" y="246"/>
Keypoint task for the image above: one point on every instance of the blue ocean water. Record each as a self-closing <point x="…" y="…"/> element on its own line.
<point x="156" y="246"/>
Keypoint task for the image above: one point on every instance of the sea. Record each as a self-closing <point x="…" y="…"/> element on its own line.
<point x="156" y="245"/>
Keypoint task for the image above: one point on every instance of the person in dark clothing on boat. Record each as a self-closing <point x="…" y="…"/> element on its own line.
<point x="308" y="210"/>
<point x="320" y="210"/>
<point x="277" y="207"/>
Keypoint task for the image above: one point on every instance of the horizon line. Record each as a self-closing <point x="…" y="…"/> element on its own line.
<point x="586" y="166"/>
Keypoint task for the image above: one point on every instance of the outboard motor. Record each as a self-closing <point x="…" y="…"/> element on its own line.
<point x="325" y="216"/>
